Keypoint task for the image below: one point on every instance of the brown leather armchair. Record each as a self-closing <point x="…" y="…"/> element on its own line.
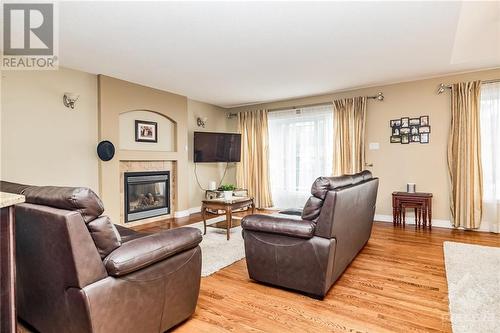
<point x="309" y="254"/>
<point x="77" y="272"/>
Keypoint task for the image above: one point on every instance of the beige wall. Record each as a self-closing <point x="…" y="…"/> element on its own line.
<point x="43" y="142"/>
<point x="216" y="122"/>
<point x="396" y="164"/>
<point x="117" y="97"/>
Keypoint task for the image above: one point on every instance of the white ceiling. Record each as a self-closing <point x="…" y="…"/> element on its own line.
<point x="235" y="53"/>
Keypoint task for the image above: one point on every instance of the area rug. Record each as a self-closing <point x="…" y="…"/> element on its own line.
<point x="473" y="274"/>
<point x="217" y="252"/>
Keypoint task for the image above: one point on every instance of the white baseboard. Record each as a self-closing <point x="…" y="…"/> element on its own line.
<point x="435" y="222"/>
<point x="194" y="210"/>
<point x="181" y="213"/>
<point x="186" y="212"/>
<point x="378" y="217"/>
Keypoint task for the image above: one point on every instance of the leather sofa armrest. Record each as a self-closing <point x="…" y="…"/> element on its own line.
<point x="145" y="251"/>
<point x="278" y="225"/>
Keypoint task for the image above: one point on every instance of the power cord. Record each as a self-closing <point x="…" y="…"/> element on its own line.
<point x="198" y="181"/>
<point x="224" y="175"/>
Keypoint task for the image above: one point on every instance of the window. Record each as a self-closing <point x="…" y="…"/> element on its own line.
<point x="490" y="139"/>
<point x="490" y="154"/>
<point x="300" y="150"/>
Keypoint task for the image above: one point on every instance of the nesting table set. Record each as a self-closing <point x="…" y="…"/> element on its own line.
<point x="419" y="201"/>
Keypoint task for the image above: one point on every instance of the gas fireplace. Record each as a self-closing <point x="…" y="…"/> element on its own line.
<point x="147" y="194"/>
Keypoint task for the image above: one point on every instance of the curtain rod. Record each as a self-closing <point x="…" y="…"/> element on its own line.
<point x="378" y="97"/>
<point x="443" y="87"/>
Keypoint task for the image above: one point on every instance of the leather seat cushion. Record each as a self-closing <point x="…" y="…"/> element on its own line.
<point x="278" y="225"/>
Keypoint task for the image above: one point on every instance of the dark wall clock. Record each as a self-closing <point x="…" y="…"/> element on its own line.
<point x="105" y="150"/>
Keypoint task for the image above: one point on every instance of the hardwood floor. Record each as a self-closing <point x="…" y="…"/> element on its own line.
<point x="396" y="284"/>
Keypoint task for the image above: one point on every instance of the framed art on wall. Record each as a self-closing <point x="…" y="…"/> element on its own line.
<point x="410" y="130"/>
<point x="146" y="131"/>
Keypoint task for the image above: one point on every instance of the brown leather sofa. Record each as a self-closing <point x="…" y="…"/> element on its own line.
<point x="311" y="253"/>
<point x="77" y="272"/>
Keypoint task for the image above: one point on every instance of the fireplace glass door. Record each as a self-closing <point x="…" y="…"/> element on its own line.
<point x="146" y="195"/>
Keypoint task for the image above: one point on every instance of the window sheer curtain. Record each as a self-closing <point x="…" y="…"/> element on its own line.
<point x="300" y="150"/>
<point x="490" y="154"/>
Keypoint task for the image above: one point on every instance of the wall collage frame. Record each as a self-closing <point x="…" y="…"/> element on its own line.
<point x="408" y="130"/>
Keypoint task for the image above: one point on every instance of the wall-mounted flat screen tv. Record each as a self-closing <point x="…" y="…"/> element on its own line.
<point x="216" y="147"/>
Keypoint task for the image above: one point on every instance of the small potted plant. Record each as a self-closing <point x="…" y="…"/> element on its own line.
<point x="228" y="191"/>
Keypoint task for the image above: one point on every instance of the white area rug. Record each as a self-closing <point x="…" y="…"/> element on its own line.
<point x="217" y="252"/>
<point x="473" y="274"/>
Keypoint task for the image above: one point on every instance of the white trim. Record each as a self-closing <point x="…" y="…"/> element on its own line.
<point x="181" y="213"/>
<point x="187" y="212"/>
<point x="435" y="222"/>
<point x="194" y="210"/>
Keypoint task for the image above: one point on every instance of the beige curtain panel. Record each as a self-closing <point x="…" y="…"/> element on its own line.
<point x="252" y="173"/>
<point x="349" y="117"/>
<point x="464" y="159"/>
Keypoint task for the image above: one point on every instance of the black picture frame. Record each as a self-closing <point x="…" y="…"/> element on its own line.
<point x="404" y="130"/>
<point x="405" y="122"/>
<point x="395" y="122"/>
<point x="395" y="139"/>
<point x="146" y="131"/>
<point x="414" y="122"/>
<point x="413" y="130"/>
<point x="424" y="138"/>
<point x="424" y="129"/>
<point x="405" y="139"/>
<point x="424" y="121"/>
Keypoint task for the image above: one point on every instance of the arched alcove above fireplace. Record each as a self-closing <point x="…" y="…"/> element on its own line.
<point x="165" y="135"/>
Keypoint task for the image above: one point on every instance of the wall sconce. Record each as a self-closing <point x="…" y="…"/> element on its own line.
<point x="201" y="121"/>
<point x="69" y="99"/>
<point x="379" y="97"/>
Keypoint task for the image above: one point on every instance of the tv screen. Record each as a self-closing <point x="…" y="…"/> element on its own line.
<point x="216" y="147"/>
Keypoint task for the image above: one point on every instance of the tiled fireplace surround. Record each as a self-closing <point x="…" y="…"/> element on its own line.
<point x="144" y="166"/>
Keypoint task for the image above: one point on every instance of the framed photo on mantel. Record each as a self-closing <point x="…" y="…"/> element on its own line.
<point x="146" y="131"/>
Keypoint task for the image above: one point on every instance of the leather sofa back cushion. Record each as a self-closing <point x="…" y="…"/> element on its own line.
<point x="12" y="187"/>
<point x="80" y="199"/>
<point x="312" y="209"/>
<point x="322" y="185"/>
<point x="105" y="235"/>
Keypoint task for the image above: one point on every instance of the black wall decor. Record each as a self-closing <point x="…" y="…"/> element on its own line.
<point x="105" y="150"/>
<point x="410" y="130"/>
